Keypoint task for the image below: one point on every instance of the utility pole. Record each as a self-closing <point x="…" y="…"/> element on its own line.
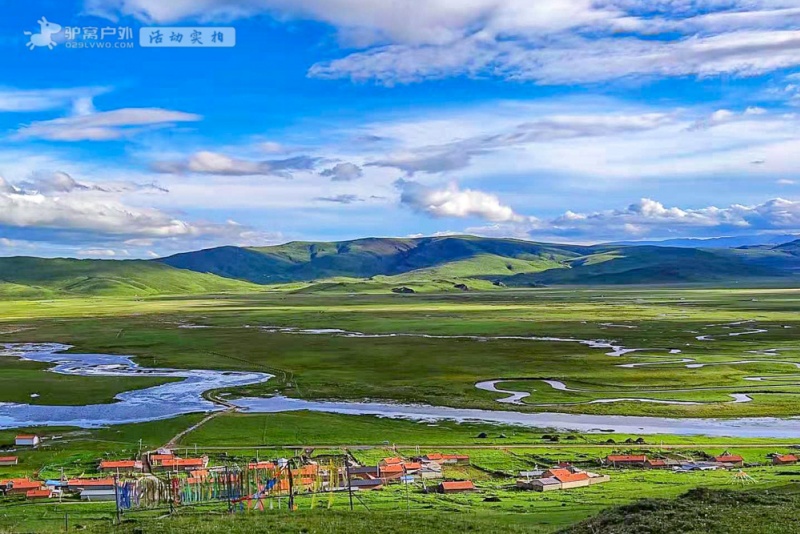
<point x="347" y="470"/>
<point x="116" y="498"/>
<point x="291" y="486"/>
<point x="406" y="482"/>
<point x="228" y="488"/>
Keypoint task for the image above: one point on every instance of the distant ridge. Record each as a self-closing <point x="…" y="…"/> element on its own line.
<point x="511" y="262"/>
<point x="716" y="242"/>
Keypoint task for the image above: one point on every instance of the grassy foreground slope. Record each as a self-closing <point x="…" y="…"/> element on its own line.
<point x="449" y="259"/>
<point x="24" y="277"/>
<point x="703" y="511"/>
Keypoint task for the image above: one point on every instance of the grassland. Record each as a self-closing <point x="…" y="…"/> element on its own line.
<point x="439" y="359"/>
<point x="426" y="348"/>
<point x="495" y="463"/>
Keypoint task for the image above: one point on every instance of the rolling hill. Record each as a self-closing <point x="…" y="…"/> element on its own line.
<point x="25" y="277"/>
<point x="354" y="265"/>
<point x="450" y="263"/>
<point x="662" y="265"/>
<point x="456" y="256"/>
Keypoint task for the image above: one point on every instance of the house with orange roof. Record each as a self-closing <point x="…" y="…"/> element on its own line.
<point x="391" y="461"/>
<point x="261" y="465"/>
<point x="390" y="472"/>
<point x="561" y="478"/>
<point x="120" y="466"/>
<point x="456" y="486"/>
<point x="39" y="494"/>
<point x="78" y="484"/>
<point x="20" y="486"/>
<point x="158" y="459"/>
<point x="183" y="464"/>
<point x="572" y="480"/>
<point x="308" y="470"/>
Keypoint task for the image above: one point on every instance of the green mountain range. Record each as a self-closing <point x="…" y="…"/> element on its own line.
<point x="510" y="262"/>
<point x="400" y="265"/>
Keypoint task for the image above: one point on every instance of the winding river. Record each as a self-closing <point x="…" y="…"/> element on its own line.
<point x="149" y="404"/>
<point x="186" y="396"/>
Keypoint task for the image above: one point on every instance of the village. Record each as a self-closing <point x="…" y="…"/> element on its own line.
<point x="163" y="477"/>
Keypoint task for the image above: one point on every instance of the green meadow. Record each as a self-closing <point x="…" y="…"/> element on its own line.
<point x="422" y="348"/>
<point x="434" y="348"/>
<point x="495" y="462"/>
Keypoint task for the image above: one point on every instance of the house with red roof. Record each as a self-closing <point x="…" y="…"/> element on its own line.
<point x="784" y="459"/>
<point x="732" y="459"/>
<point x="6" y="461"/>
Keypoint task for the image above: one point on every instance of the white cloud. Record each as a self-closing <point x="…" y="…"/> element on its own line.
<point x="458" y="153"/>
<point x="271" y="147"/>
<point x="63" y="205"/>
<point x="588" y="143"/>
<point x="343" y="172"/>
<point x="547" y="41"/>
<point x="21" y="100"/>
<point x="103" y="125"/>
<point x="368" y="21"/>
<point x="207" y="162"/>
<point x="573" y="59"/>
<point x="650" y="218"/>
<point x="101" y="253"/>
<point x="454" y="202"/>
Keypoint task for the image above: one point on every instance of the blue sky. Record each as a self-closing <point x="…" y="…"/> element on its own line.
<point x="557" y="120"/>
